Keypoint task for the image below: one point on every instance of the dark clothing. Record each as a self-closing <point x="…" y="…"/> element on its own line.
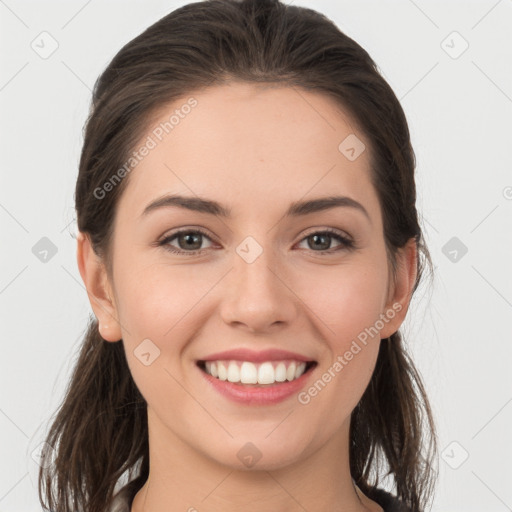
<point x="387" y="501"/>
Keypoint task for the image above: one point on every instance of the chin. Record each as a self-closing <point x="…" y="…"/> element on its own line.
<point x="259" y="454"/>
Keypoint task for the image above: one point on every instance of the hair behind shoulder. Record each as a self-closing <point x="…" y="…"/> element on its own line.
<point x="100" y="432"/>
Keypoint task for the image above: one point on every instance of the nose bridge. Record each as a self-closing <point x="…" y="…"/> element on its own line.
<point x="258" y="295"/>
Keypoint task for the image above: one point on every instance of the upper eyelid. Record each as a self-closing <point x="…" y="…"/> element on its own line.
<point x="179" y="231"/>
<point x="328" y="230"/>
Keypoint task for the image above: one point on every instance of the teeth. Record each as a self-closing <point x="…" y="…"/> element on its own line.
<point x="280" y="372"/>
<point x="246" y="372"/>
<point x="223" y="372"/>
<point x="266" y="374"/>
<point x="233" y="372"/>
<point x="290" y="373"/>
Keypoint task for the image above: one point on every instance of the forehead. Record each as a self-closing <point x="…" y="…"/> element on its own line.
<point x="243" y="139"/>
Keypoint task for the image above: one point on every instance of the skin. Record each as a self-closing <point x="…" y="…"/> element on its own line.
<point x="254" y="149"/>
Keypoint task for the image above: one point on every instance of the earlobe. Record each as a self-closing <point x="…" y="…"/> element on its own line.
<point x="94" y="276"/>
<point x="401" y="290"/>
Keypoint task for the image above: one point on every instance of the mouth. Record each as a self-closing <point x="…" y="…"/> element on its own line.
<point x="249" y="374"/>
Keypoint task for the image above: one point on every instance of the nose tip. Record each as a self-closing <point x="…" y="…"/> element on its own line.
<point x="257" y="296"/>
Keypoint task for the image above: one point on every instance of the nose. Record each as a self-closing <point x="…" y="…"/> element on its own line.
<point x="257" y="295"/>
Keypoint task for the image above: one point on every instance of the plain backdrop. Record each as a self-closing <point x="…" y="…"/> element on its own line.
<point x="449" y="63"/>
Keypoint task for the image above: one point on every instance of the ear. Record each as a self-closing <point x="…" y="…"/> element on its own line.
<point x="400" y="291"/>
<point x="94" y="275"/>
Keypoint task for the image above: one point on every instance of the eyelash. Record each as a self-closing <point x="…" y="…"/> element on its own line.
<point x="346" y="243"/>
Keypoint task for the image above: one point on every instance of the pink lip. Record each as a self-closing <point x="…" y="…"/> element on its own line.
<point x="243" y="354"/>
<point x="253" y="395"/>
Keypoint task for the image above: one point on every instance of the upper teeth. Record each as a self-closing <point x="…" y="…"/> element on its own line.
<point x="246" y="372"/>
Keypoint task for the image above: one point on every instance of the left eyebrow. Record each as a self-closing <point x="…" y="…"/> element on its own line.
<point x="211" y="207"/>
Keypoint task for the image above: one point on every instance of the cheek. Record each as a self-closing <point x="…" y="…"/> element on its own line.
<point x="156" y="313"/>
<point x="347" y="300"/>
<point x="156" y="297"/>
<point x="160" y="303"/>
<point x="349" y="304"/>
<point x="152" y="311"/>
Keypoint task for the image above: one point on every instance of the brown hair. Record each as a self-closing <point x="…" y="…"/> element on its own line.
<point x="100" y="432"/>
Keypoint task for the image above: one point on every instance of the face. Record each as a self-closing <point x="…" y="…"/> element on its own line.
<point x="314" y="282"/>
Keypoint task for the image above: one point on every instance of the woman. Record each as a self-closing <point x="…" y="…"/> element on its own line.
<point x="249" y="242"/>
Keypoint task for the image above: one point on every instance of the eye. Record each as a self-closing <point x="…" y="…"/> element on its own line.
<point x="322" y="240"/>
<point x="189" y="239"/>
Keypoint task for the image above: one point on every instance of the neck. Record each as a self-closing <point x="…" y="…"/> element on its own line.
<point x="183" y="479"/>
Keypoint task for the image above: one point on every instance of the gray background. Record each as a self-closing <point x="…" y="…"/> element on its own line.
<point x="458" y="104"/>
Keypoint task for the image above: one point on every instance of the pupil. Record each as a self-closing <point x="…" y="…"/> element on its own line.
<point x="317" y="237"/>
<point x="190" y="238"/>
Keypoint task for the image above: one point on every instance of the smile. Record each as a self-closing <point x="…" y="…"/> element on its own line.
<point x="264" y="374"/>
<point x="249" y="383"/>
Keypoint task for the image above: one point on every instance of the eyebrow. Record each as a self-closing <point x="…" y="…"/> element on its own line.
<point x="211" y="207"/>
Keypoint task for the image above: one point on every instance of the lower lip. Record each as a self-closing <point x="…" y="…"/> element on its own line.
<point x="253" y="395"/>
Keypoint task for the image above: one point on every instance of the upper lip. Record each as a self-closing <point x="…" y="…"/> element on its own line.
<point x="243" y="354"/>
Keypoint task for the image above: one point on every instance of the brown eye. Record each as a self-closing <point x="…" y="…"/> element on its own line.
<point x="189" y="241"/>
<point x="320" y="241"/>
